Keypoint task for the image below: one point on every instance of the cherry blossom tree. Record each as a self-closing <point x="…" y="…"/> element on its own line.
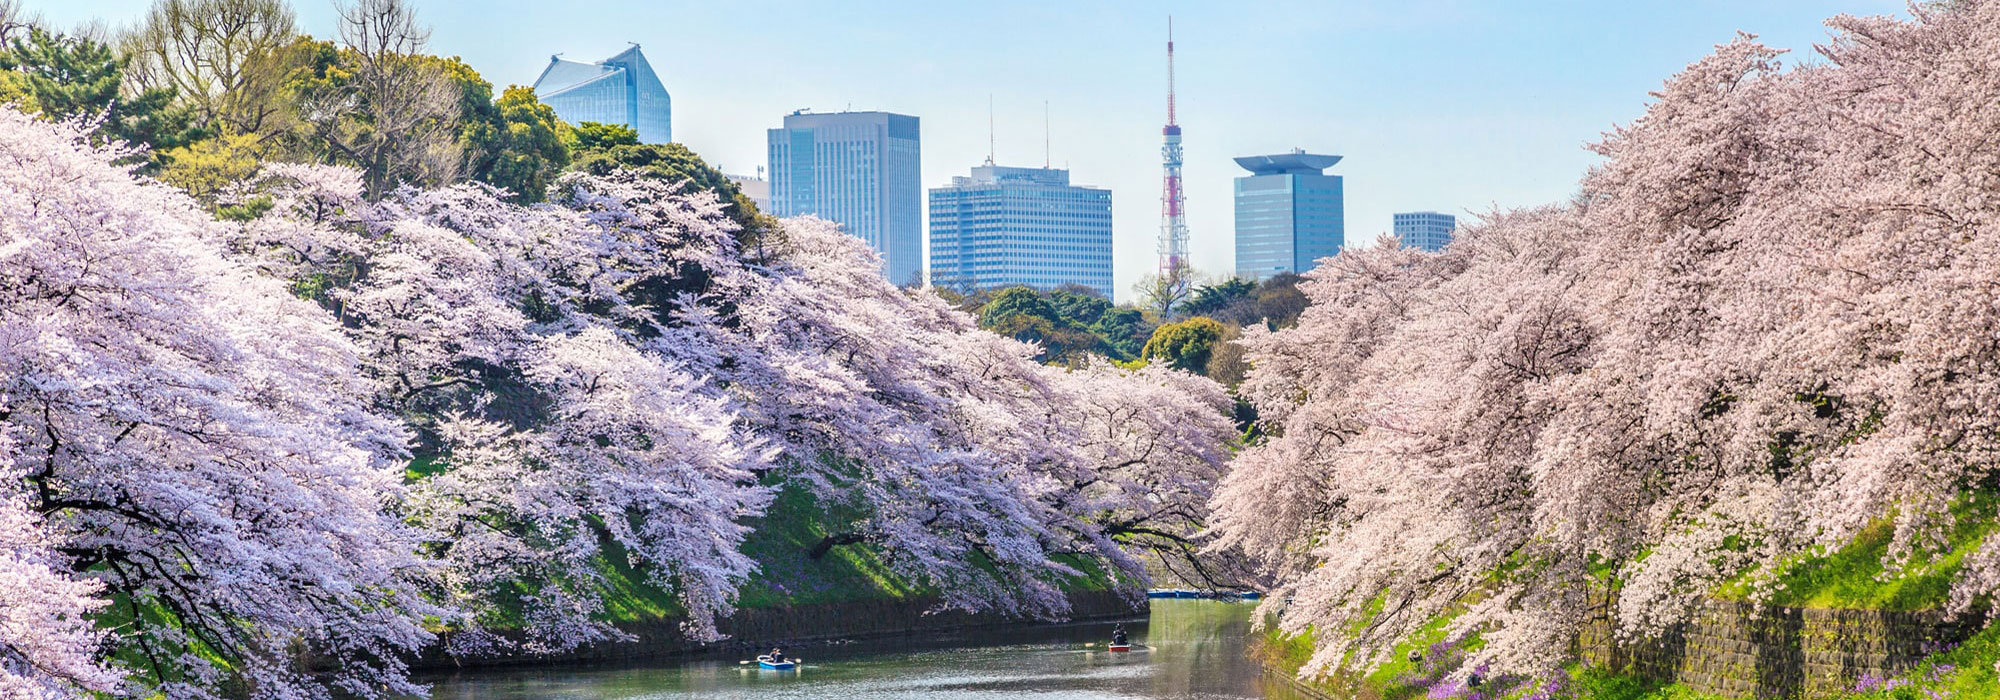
<point x="1766" y="322"/>
<point x="973" y="462"/>
<point x="47" y="642"/>
<point x="191" y="455"/>
<point x="332" y="426"/>
<point x="509" y="338"/>
<point x="612" y="367"/>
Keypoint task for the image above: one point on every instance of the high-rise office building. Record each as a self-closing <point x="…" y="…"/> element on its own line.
<point x="860" y="169"/>
<point x="1002" y="227"/>
<point x="1288" y="213"/>
<point x="621" y="89"/>
<point x="1428" y="230"/>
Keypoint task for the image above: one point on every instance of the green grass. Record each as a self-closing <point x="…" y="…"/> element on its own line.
<point x="1387" y="678"/>
<point x="780" y="542"/>
<point x="1853" y="577"/>
<point x="1597" y="684"/>
<point x="1286" y="652"/>
<point x="1289" y="653"/>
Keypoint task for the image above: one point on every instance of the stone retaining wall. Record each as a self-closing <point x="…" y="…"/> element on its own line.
<point x="1742" y="650"/>
<point x="764" y="627"/>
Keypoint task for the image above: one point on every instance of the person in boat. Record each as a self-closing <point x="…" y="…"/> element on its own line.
<point x="777" y="655"/>
<point x="1119" y="637"/>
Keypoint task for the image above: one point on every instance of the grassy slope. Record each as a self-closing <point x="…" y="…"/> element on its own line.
<point x="779" y="542"/>
<point x="787" y="576"/>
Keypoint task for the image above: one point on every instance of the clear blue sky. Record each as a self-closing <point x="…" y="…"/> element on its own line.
<point x="1446" y="105"/>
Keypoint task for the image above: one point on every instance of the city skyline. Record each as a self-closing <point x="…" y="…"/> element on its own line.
<point x="1446" y="105"/>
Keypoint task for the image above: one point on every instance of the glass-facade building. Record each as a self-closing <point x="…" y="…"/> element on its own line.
<point x="1288" y="214"/>
<point x="621" y="89"/>
<point x="1003" y="227"/>
<point x="858" y="169"/>
<point x="1428" y="230"/>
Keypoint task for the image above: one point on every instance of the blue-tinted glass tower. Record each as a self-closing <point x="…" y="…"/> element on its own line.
<point x="1288" y="213"/>
<point x="1428" y="230"/>
<point x="1003" y="227"/>
<point x="860" y="169"/>
<point x="621" y="89"/>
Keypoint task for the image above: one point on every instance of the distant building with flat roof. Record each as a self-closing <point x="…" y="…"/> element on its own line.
<point x="1289" y="213"/>
<point x="1427" y="230"/>
<point x="755" y="187"/>
<point x="860" y="169"/>
<point x="622" y="89"/>
<point x="1003" y="227"/>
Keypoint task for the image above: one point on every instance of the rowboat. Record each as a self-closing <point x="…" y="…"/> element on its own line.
<point x="765" y="662"/>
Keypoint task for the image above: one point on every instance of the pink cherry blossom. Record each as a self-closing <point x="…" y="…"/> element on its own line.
<point x="1767" y="320"/>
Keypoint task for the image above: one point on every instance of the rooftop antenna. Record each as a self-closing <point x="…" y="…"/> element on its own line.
<point x="989" y="128"/>
<point x="1045" y="134"/>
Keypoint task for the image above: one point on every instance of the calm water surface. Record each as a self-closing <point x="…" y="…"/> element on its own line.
<point x="1194" y="650"/>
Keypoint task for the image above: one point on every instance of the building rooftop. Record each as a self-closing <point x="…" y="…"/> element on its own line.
<point x="1296" y="162"/>
<point x="563" y="74"/>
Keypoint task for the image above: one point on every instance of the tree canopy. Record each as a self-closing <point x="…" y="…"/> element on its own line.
<point x="335" y="430"/>
<point x="76" y="77"/>
<point x="1186" y="345"/>
<point x="1767" y="321"/>
<point x="1025" y="314"/>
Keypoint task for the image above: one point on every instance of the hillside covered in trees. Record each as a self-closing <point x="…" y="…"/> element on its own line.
<point x="289" y="392"/>
<point x="1762" y="341"/>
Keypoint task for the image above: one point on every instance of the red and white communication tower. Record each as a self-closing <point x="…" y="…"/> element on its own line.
<point x="1173" y="218"/>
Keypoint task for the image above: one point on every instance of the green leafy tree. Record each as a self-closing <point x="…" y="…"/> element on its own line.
<point x="517" y="143"/>
<point x="1078" y="303"/>
<point x="205" y="168"/>
<point x="67" y="76"/>
<point x="1016" y="301"/>
<point x="1187" y="345"/>
<point x="1124" y="329"/>
<point x="1279" y="301"/>
<point x="1024" y="314"/>
<point x="595" y="136"/>
<point x="1210" y="298"/>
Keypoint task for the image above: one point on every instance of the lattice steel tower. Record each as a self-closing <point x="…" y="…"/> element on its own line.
<point x="1173" y="201"/>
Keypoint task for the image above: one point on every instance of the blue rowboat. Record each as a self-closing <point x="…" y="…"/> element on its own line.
<point x="765" y="662"/>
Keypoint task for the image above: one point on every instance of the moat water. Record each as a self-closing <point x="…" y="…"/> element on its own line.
<point x="1185" y="650"/>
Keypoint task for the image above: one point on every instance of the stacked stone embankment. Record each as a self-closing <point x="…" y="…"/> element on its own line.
<point x="1738" y="649"/>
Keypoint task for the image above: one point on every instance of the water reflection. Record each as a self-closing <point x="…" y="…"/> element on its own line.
<point x="1190" y="650"/>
